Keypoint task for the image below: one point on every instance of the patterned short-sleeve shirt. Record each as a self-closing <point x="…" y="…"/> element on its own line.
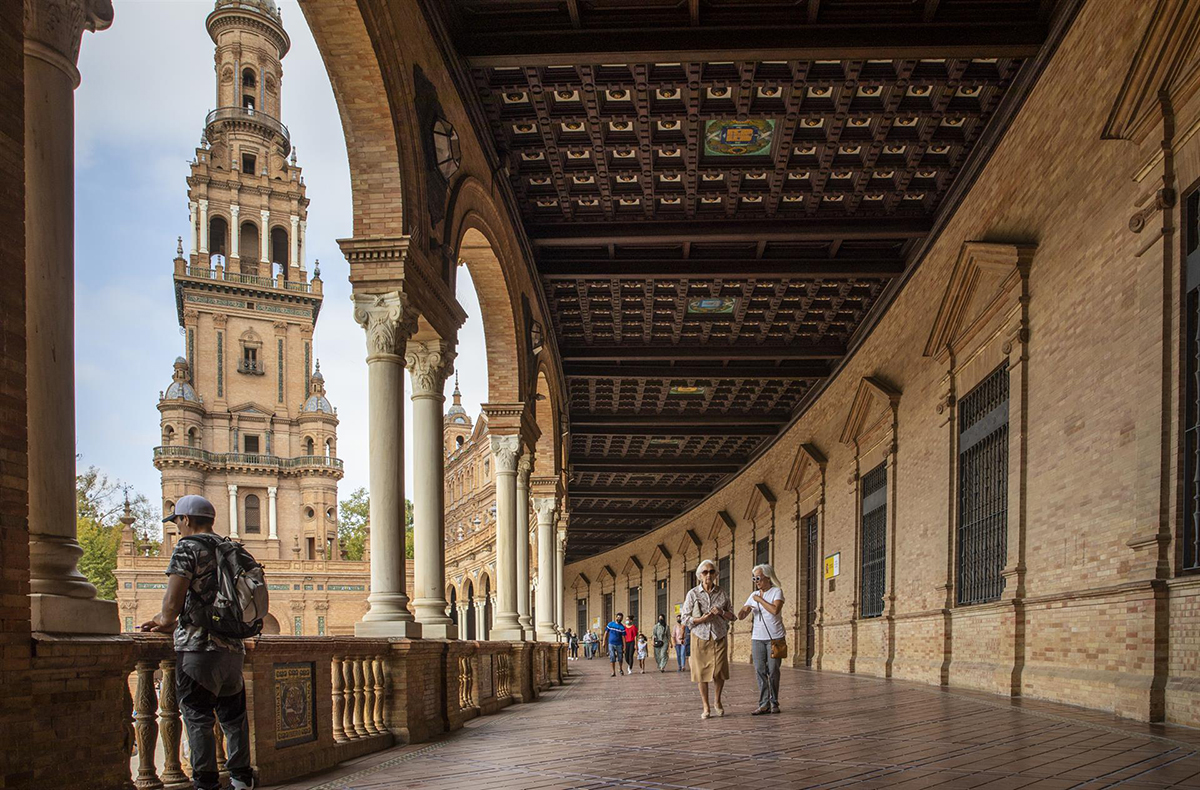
<point x="712" y="629"/>
<point x="195" y="560"/>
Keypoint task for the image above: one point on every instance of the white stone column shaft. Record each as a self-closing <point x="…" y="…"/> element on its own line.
<point x="480" y="617"/>
<point x="388" y="323"/>
<point x="272" y="529"/>
<point x="203" y="226"/>
<point x="507" y="451"/>
<point x="193" y="238"/>
<point x="303" y="241"/>
<point x="264" y="236"/>
<point x="524" y="593"/>
<point x="558" y="578"/>
<point x="61" y="598"/>
<point x="429" y="363"/>
<point x="547" y="563"/>
<point x="294" y="245"/>
<point x="233" y="519"/>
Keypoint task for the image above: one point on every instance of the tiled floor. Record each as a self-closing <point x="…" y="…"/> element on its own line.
<point x="644" y="731"/>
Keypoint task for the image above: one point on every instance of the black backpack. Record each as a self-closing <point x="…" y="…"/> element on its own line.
<point x="241" y="602"/>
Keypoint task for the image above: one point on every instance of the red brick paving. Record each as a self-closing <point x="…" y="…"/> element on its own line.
<point x="644" y="731"/>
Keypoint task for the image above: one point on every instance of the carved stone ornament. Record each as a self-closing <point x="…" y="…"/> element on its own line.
<point x="544" y="506"/>
<point x="507" y="450"/>
<point x="219" y="319"/>
<point x="58" y="25"/>
<point x="524" y="469"/>
<point x="387" y="320"/>
<point x="190" y="315"/>
<point x="430" y="362"/>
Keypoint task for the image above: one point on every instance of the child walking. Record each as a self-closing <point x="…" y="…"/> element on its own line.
<point x="641" y="652"/>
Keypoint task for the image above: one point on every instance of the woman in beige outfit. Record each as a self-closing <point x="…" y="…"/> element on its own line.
<point x="707" y="611"/>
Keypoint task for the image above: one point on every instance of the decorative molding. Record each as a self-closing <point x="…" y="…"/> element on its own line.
<point x="688" y="542"/>
<point x="661" y="557"/>
<point x="761" y="497"/>
<point x="633" y="566"/>
<point x="983" y="276"/>
<point x="581" y="578"/>
<point x="430" y="362"/>
<point x="870" y="390"/>
<point x="722" y="521"/>
<point x="387" y="319"/>
<point x="524" y="469"/>
<point x="544" y="507"/>
<point x="507" y="450"/>
<point x="808" y="457"/>
<point x="1165" y="67"/>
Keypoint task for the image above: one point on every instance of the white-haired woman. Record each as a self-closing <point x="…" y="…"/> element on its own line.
<point x="707" y="611"/>
<point x="765" y="604"/>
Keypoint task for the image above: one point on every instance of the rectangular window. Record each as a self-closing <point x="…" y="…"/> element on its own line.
<point x="983" y="489"/>
<point x="762" y="551"/>
<point x="873" y="573"/>
<point x="635" y="605"/>
<point x="608" y="610"/>
<point x="1191" y="416"/>
<point x="312" y="548"/>
<point x="297" y="626"/>
<point x="660" y="599"/>
<point x="724" y="573"/>
<point x="251" y="444"/>
<point x="808" y="528"/>
<point x="581" y="623"/>
<point x="248" y="159"/>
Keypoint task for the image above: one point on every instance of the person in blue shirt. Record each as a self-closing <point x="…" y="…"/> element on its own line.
<point x="616" y="642"/>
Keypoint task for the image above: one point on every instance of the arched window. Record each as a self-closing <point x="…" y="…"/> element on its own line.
<point x="329" y="448"/>
<point x="309" y="446"/>
<point x="218" y="236"/>
<point x="248" y="242"/>
<point x="253" y="522"/>
<point x="279" y="248"/>
<point x="248" y="80"/>
<point x="168" y="435"/>
<point x="458" y="442"/>
<point x="193" y="440"/>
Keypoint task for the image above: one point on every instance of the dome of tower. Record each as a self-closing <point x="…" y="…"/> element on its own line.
<point x="180" y="389"/>
<point x="318" y="403"/>
<point x="456" y="412"/>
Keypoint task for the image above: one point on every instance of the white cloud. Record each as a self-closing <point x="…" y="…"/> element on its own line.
<point x="147" y="86"/>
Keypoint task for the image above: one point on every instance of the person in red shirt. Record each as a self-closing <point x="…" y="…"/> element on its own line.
<point x="631" y="634"/>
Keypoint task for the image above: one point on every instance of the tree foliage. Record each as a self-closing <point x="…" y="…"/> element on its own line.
<point x="354" y="522"/>
<point x="99" y="505"/>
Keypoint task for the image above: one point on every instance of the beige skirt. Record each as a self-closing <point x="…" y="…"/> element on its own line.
<point x="710" y="659"/>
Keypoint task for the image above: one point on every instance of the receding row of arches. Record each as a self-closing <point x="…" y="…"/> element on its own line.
<point x="189" y="439"/>
<point x="249" y="241"/>
<point x="478" y="611"/>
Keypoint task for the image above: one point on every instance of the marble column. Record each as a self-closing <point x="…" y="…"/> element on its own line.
<point x="294" y="244"/>
<point x="61" y="598"/>
<point x="193" y="238"/>
<point x="388" y="322"/>
<point x="547" y="566"/>
<point x="272" y="529"/>
<point x="524" y="468"/>
<point x="507" y="451"/>
<point x="462" y="620"/>
<point x="480" y="618"/>
<point x="264" y="239"/>
<point x="558" y="575"/>
<point x="203" y="226"/>
<point x="235" y="237"/>
<point x="303" y="241"/>
<point x="233" y="519"/>
<point x="429" y="362"/>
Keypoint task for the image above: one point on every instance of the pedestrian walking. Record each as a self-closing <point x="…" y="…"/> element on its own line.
<point x="631" y="635"/>
<point x="642" y="650"/>
<point x="616" y="642"/>
<point x="707" y="611"/>
<point x="208" y="639"/>
<point x="661" y="635"/>
<point x="768" y="645"/>
<point x="679" y="640"/>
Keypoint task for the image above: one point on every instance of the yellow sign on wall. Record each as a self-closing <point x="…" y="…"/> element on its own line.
<point x="833" y="565"/>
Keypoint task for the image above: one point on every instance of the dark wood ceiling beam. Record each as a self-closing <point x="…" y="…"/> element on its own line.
<point x="619" y="515"/>
<point x="698" y="428"/>
<point x="586" y="370"/>
<point x="976" y="39"/>
<point x="723" y="353"/>
<point x="573" y="234"/>
<point x="677" y="420"/>
<point x="626" y="492"/>
<point x="724" y="268"/>
<point x="659" y="465"/>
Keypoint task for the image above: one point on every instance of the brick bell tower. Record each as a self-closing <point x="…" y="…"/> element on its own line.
<point x="246" y="420"/>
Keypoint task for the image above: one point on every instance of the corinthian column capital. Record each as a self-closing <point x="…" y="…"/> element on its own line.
<point x="388" y="321"/>
<point x="430" y="362"/>
<point x="53" y="29"/>
<point x="507" y="450"/>
<point x="524" y="468"/>
<point x="544" y="507"/>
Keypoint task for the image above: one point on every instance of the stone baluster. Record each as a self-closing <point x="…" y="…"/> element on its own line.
<point x="348" y="693"/>
<point x="360" y="727"/>
<point x="145" y="711"/>
<point x="368" y="674"/>
<point x="173" y="777"/>
<point x="380" y="693"/>
<point x="339" y="701"/>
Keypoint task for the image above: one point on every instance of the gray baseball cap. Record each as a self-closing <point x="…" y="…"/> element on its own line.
<point x="192" y="505"/>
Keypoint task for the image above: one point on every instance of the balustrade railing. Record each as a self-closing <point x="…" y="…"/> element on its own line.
<point x="206" y="273"/>
<point x="359" y="686"/>
<point x="178" y="451"/>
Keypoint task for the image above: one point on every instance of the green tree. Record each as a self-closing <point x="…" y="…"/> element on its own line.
<point x="99" y="505"/>
<point x="354" y="519"/>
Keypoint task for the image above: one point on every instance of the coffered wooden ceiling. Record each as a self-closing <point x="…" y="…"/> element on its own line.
<point x="721" y="196"/>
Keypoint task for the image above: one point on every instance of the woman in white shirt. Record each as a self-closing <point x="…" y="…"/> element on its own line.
<point x="765" y="604"/>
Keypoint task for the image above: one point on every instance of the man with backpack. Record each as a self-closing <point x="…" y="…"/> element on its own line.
<point x="216" y="596"/>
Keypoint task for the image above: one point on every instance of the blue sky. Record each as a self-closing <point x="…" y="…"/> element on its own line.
<point x="147" y="85"/>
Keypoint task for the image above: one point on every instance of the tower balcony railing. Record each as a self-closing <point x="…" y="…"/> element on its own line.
<point x="264" y="460"/>
<point x="248" y="115"/>
<point x="212" y="273"/>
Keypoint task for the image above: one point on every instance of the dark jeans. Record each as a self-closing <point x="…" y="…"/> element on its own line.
<point x="199" y="707"/>
<point x="629" y="650"/>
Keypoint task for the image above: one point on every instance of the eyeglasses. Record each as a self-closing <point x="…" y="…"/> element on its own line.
<point x="707" y="572"/>
<point x="755" y="578"/>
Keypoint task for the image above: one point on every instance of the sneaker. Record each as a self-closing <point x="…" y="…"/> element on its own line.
<point x="775" y="709"/>
<point x="239" y="785"/>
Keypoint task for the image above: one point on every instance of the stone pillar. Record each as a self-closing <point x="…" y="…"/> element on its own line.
<point x="264" y="236"/>
<point x="235" y="234"/>
<point x="203" y="226"/>
<point x="524" y="467"/>
<point x="294" y="245"/>
<point x="303" y="241"/>
<point x="192" y="224"/>
<point x="558" y="575"/>
<point x="388" y="322"/>
<point x="429" y="363"/>
<point x="480" y="617"/>
<point x="547" y="566"/>
<point x="233" y="520"/>
<point x="272" y="530"/>
<point x="507" y="451"/>
<point x="61" y="598"/>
